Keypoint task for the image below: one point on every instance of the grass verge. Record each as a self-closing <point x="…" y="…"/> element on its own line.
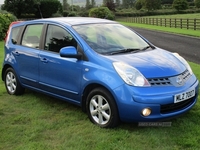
<point x="194" y="33"/>
<point x="36" y="121"/>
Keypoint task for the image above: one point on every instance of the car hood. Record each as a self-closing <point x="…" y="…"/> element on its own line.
<point x="153" y="63"/>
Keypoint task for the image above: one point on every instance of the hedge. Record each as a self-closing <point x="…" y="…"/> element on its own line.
<point x="151" y="13"/>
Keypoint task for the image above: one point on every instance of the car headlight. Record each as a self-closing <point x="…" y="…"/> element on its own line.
<point x="184" y="62"/>
<point x="130" y="75"/>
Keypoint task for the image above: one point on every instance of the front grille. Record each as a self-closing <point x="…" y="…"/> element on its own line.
<point x="176" y="106"/>
<point x="159" y="81"/>
<point x="168" y="81"/>
<point x="185" y="75"/>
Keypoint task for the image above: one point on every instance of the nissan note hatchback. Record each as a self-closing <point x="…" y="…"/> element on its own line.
<point x="109" y="70"/>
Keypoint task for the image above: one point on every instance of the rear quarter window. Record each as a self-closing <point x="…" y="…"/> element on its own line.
<point x="14" y="34"/>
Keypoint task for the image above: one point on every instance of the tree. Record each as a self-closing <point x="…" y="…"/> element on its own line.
<point x="197" y="3"/>
<point x="47" y="8"/>
<point x="138" y="4"/>
<point x="152" y="4"/>
<point x="125" y="3"/>
<point x="93" y="3"/>
<point x="110" y="4"/>
<point x="180" y="4"/>
<point x="117" y="3"/>
<point x="128" y="3"/>
<point x="65" y="5"/>
<point x="88" y="4"/>
<point x="18" y="7"/>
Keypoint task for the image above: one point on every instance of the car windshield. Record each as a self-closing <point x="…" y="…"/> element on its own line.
<point x="111" y="39"/>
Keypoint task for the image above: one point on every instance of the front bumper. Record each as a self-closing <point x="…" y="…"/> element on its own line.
<point x="132" y="100"/>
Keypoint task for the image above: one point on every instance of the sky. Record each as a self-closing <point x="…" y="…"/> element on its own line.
<point x="1" y="1"/>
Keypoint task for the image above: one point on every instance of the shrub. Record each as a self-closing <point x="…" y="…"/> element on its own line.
<point x="83" y="13"/>
<point x="5" y="20"/>
<point x="156" y="12"/>
<point x="101" y="12"/>
<point x="57" y="15"/>
<point x="72" y="14"/>
<point x="65" y="13"/>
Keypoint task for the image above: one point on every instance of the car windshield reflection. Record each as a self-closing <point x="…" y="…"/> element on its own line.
<point x="110" y="38"/>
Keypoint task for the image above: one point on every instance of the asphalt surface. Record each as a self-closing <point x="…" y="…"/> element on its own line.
<point x="188" y="47"/>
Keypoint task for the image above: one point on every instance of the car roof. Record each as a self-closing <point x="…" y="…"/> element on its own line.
<point x="72" y="20"/>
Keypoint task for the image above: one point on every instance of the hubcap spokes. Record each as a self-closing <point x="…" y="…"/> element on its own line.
<point x="100" y="109"/>
<point x="11" y="82"/>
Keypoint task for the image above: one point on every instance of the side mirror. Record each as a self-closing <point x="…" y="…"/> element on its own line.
<point x="70" y="52"/>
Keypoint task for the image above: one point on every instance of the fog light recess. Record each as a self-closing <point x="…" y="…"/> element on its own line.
<point x="146" y="112"/>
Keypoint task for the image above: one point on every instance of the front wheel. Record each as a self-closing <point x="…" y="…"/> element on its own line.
<point x="12" y="84"/>
<point x="102" y="109"/>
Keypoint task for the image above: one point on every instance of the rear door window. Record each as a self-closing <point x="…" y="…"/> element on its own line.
<point x="31" y="36"/>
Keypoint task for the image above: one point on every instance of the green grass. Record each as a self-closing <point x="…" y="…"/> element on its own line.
<point x="35" y="121"/>
<point x="164" y="29"/>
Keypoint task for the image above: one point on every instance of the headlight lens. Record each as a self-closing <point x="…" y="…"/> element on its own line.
<point x="184" y="62"/>
<point x="130" y="75"/>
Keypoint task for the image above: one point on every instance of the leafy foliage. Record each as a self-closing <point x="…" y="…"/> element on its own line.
<point x="101" y="12"/>
<point x="167" y="1"/>
<point x="128" y="3"/>
<point x="117" y="3"/>
<point x="197" y="3"/>
<point x="72" y="14"/>
<point x="18" y="7"/>
<point x="5" y="20"/>
<point x="110" y="4"/>
<point x="88" y="5"/>
<point x="65" y="5"/>
<point x="47" y="8"/>
<point x="138" y="4"/>
<point x="180" y="4"/>
<point x="152" y="4"/>
<point x="148" y="4"/>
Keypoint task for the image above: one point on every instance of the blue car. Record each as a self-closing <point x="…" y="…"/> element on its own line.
<point x="109" y="70"/>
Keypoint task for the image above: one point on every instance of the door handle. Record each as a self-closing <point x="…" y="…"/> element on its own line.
<point x="16" y="53"/>
<point x="44" y="60"/>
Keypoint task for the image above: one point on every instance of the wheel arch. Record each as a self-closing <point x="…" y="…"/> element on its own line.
<point x="5" y="67"/>
<point x="86" y="91"/>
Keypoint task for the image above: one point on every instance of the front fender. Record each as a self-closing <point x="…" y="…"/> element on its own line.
<point x="105" y="76"/>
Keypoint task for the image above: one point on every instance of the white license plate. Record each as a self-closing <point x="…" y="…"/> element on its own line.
<point x="184" y="96"/>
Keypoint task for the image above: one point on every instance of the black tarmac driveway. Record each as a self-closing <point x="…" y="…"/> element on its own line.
<point x="186" y="46"/>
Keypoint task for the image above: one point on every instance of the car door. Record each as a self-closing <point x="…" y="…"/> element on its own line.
<point x="59" y="76"/>
<point x="27" y="55"/>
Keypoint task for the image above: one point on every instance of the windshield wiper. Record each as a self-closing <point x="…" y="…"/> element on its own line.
<point x="145" y="48"/>
<point x="128" y="50"/>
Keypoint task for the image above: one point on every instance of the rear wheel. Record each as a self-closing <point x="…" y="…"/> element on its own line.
<point x="101" y="108"/>
<point x="12" y="84"/>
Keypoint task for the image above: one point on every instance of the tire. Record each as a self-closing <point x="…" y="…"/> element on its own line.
<point x="12" y="83"/>
<point x="101" y="108"/>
